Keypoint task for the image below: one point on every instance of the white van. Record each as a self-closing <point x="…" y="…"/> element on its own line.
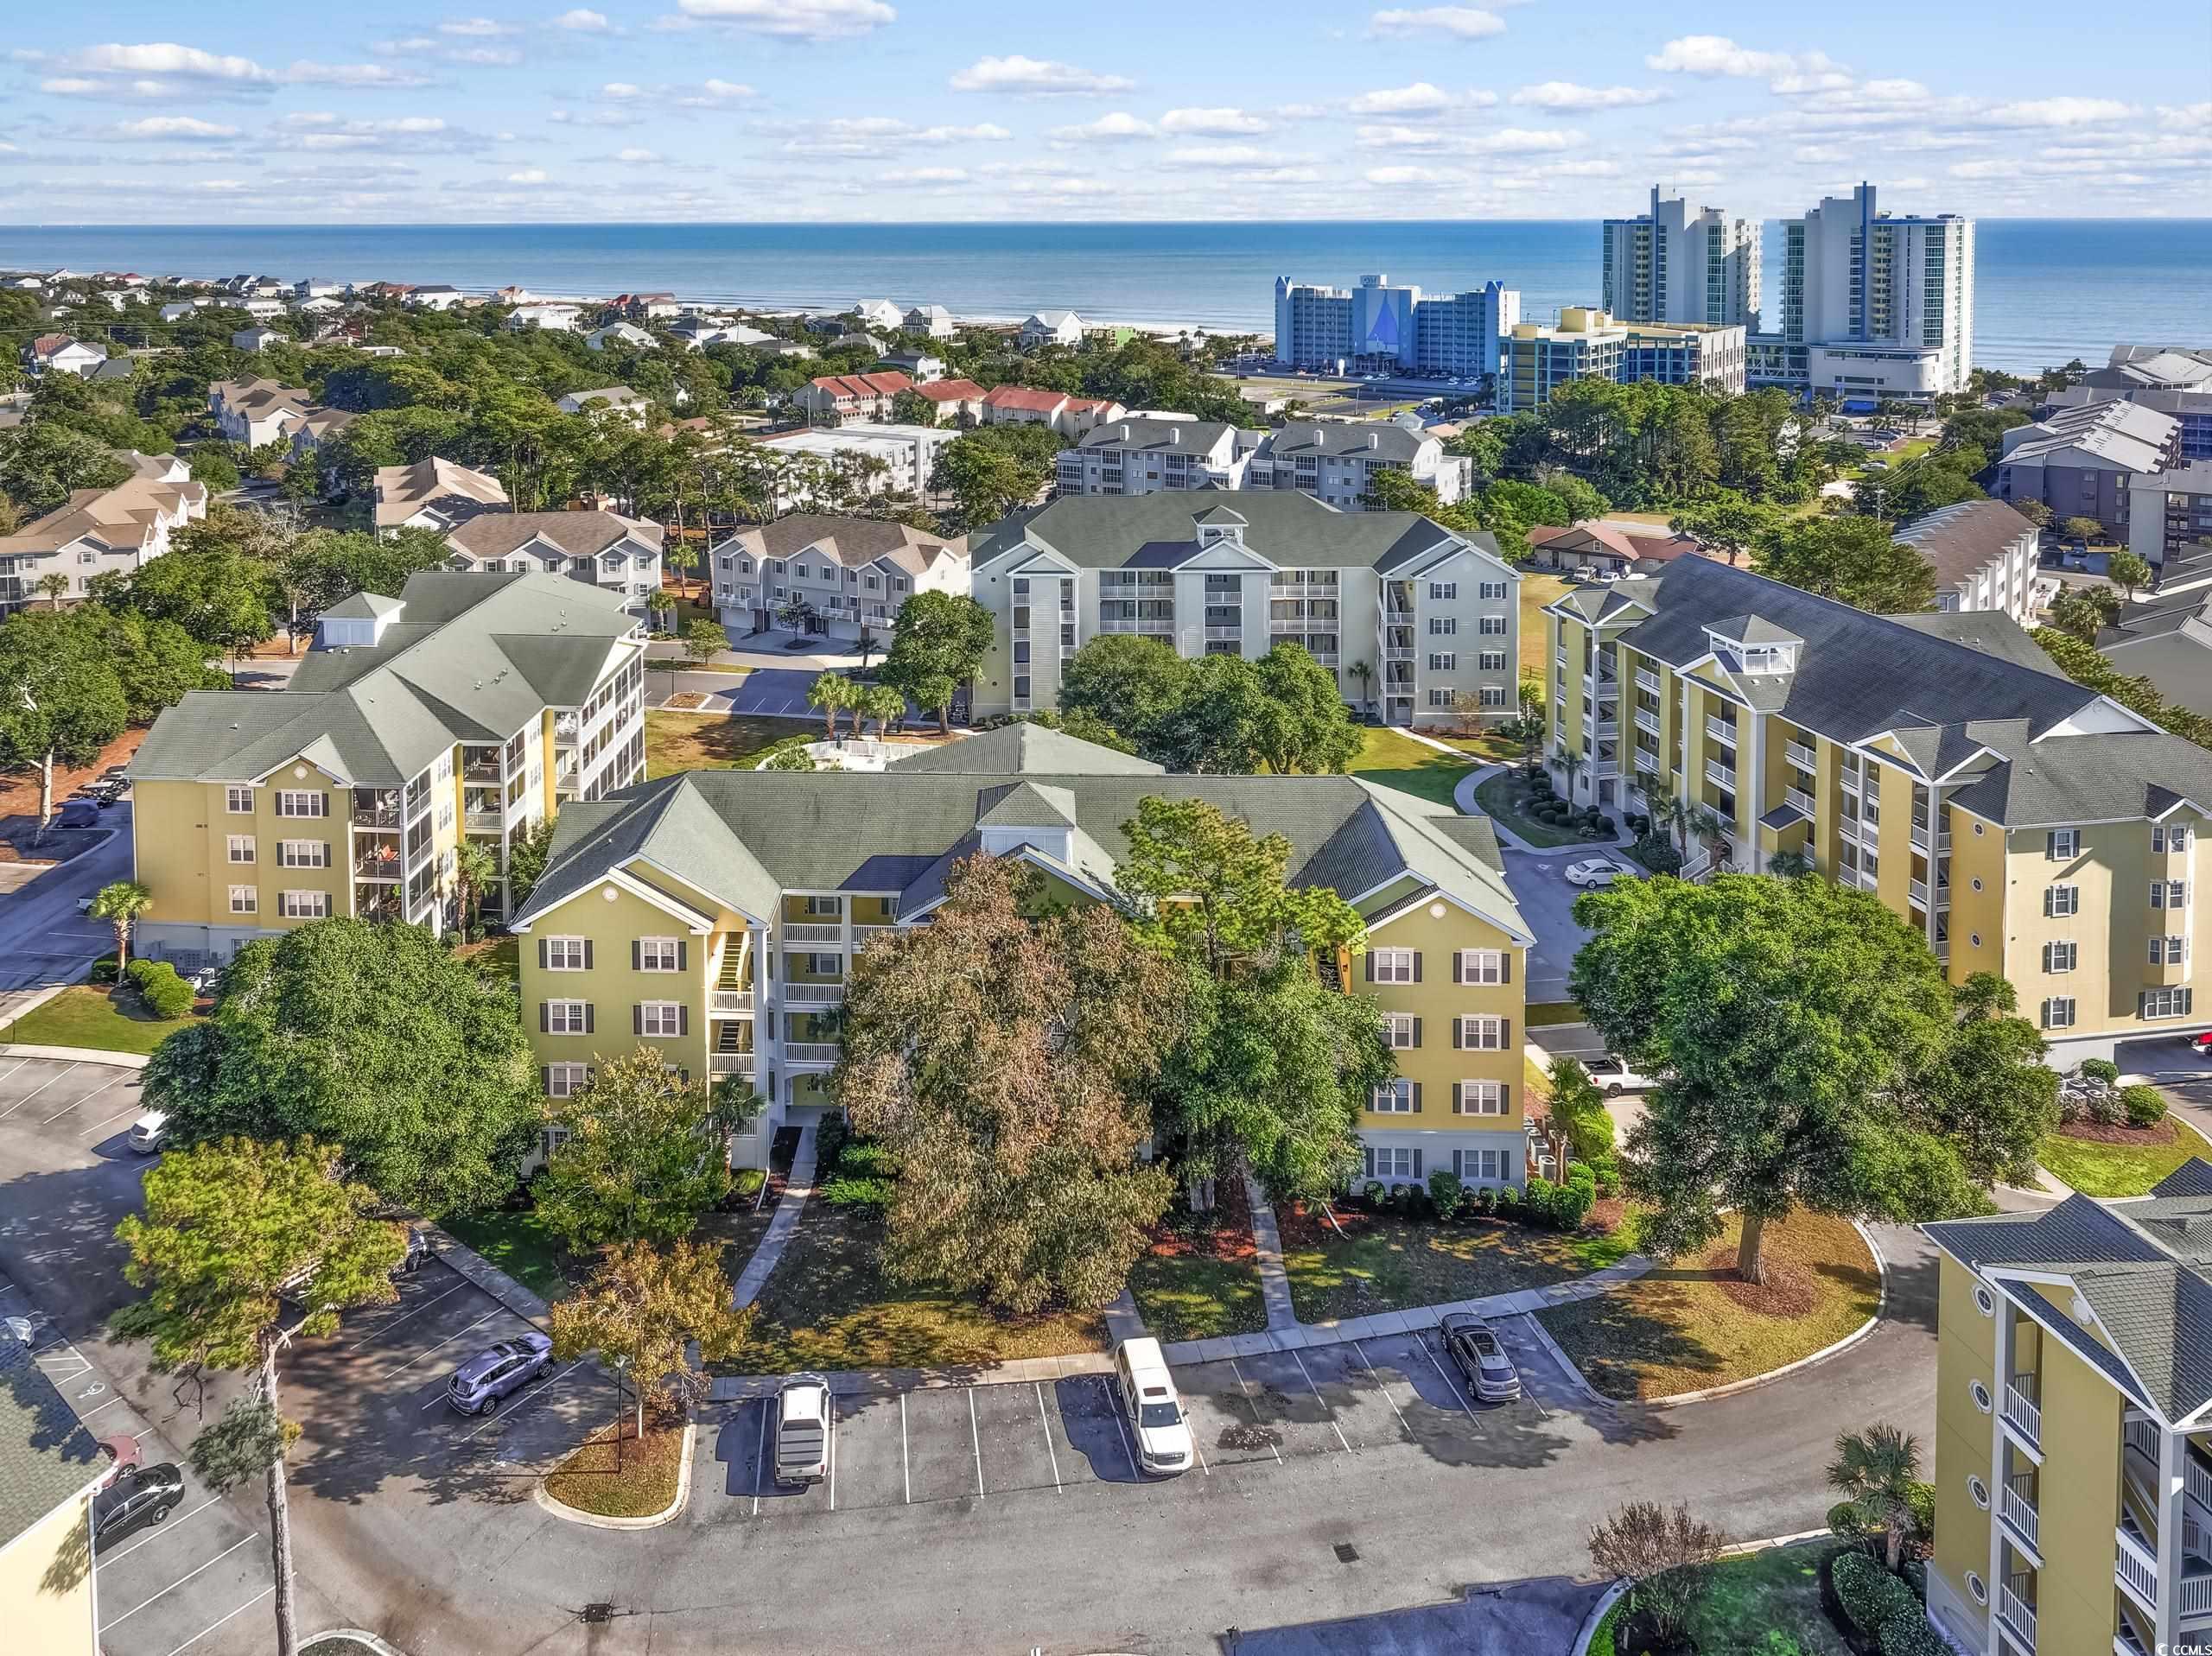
<point x="1154" y="1411"/>
<point x="803" y="1427"/>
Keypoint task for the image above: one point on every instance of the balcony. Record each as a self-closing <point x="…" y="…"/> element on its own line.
<point x="1719" y="774"/>
<point x="813" y="931"/>
<point x="481" y="770"/>
<point x="1852" y="780"/>
<point x="1647" y="679"/>
<point x="1397" y="652"/>
<point x="1801" y="756"/>
<point x="1137" y="624"/>
<point x="374" y="867"/>
<point x="810" y="1055"/>
<point x="813" y="994"/>
<point x="482" y="822"/>
<point x="1605" y="730"/>
<point x="566" y="729"/>
<point x="1798" y="799"/>
<point x="1720" y="730"/>
<point x="1920" y="837"/>
<point x="2019" y="1511"/>
<point x="2017" y="1615"/>
<point x="1647" y="722"/>
<point x="1917" y="889"/>
<point x="2022" y="1413"/>
<point x="2136" y="1567"/>
<point x="1225" y="634"/>
<point x="865" y="935"/>
<point x="729" y="1003"/>
<point x="729" y="1064"/>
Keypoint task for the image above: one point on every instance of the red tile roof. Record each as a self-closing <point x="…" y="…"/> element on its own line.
<point x="1091" y="404"/>
<point x="952" y="390"/>
<point x="1021" y="397"/>
<point x="862" y="385"/>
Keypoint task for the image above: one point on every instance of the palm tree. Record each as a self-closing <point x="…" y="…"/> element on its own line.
<point x="52" y="587"/>
<point x="1789" y="864"/>
<point x="1707" y="823"/>
<point x="120" y="904"/>
<point x="1571" y="765"/>
<point x="1364" y="672"/>
<point x="662" y="603"/>
<point x="1875" y="1471"/>
<point x="886" y="704"/>
<point x="1672" y="812"/>
<point x="475" y="867"/>
<point x="830" y="692"/>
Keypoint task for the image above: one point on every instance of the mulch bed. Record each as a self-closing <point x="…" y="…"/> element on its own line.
<point x="686" y="701"/>
<point x="1788" y="1290"/>
<point x="2161" y="1132"/>
<point x="1226" y="1236"/>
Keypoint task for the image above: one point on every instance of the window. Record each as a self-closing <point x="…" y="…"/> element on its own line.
<point x="798" y="571"/>
<point x="564" y="1080"/>
<point x="2061" y="957"/>
<point x="1491" y="661"/>
<point x="1481" y="1164"/>
<point x="1389" y="1162"/>
<point x="564" y="954"/>
<point x="1978" y="1492"/>
<point x="660" y="954"/>
<point x="1444" y="589"/>
<point x="1981" y="1395"/>
<point x="2171" y="949"/>
<point x="1490" y="590"/>
<point x="1443" y="626"/>
<point x="2169" y="839"/>
<point x="1402" y="1030"/>
<point x="1491" y="695"/>
<point x="566" y="1018"/>
<point x="1491" y="626"/>
<point x="2063" y="845"/>
<point x="829" y="907"/>
<point x="1478" y="1098"/>
<point x="2059" y="901"/>
<point x="825" y="966"/>
<point x="661" y="1017"/>
<point x="1442" y="663"/>
<point x="241" y="848"/>
<point x="1978" y="1587"/>
<point x="1439" y="696"/>
<point x="1482" y="965"/>
<point x="1393" y="966"/>
<point x="303" y="854"/>
<point x="244" y="899"/>
<point x="2164" y="1003"/>
<point x="303" y="905"/>
<point x="2059" y="1012"/>
<point x="1397" y="1098"/>
<point x="1481" y="1034"/>
<point x="291" y="803"/>
<point x="1984" y="1301"/>
<point x="239" y="801"/>
<point x="2169" y="893"/>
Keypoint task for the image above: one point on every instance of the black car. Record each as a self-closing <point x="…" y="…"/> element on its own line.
<point x="144" y="1494"/>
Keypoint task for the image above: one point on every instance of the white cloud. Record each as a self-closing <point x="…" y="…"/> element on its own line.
<point x="596" y="117"/>
<point x="1577" y="169"/>
<point x="364" y="75"/>
<point x="1892" y="92"/>
<point x="168" y="59"/>
<point x="493" y="54"/>
<point x="1107" y="128"/>
<point x="174" y="126"/>
<point x="802" y="19"/>
<point x="1221" y="155"/>
<point x="2185" y="117"/>
<point x="1411" y="175"/>
<point x="528" y="175"/>
<point x="1565" y="94"/>
<point x="1716" y="54"/>
<point x="1507" y="140"/>
<point x="2059" y="111"/>
<point x="1035" y="78"/>
<point x="621" y="89"/>
<point x="1212" y="122"/>
<point x="925" y="175"/>
<point x="635" y="156"/>
<point x="583" y="20"/>
<point x="1458" y="23"/>
<point x="80" y="86"/>
<point x="715" y="94"/>
<point x="864" y="136"/>
<point x="1419" y="99"/>
<point x="475" y="27"/>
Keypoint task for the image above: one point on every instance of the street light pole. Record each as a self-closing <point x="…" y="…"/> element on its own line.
<point x="620" y="1363"/>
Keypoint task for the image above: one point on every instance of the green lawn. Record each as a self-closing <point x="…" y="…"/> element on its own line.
<point x="1763" y="1603"/>
<point x="711" y="741"/>
<point x="1396" y="760"/>
<point x="1394" y="1265"/>
<point x="827" y="1306"/>
<point x="1193" y="1294"/>
<point x="520" y="1246"/>
<point x="1536" y="591"/>
<point x="1502" y="797"/>
<point x="105" y="1020"/>
<point x="2102" y="1170"/>
<point x="497" y="957"/>
<point x="1693" y="1324"/>
<point x="1541" y="1013"/>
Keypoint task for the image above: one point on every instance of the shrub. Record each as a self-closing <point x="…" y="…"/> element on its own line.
<point x="2145" y="1106"/>
<point x="1445" y="1191"/>
<point x="2103" y="1069"/>
<point x="829" y="1141"/>
<point x="1657" y="853"/>
<point x="1413" y="1202"/>
<point x="1537" y="1196"/>
<point x="1921" y="1495"/>
<point x="166" y="994"/>
<point x="103" y="970"/>
<point x="1906" y="1633"/>
<point x="1608" y="1178"/>
<point x="1508" y="1200"/>
<point x="866" y="1196"/>
<point x="1370" y="1195"/>
<point x="746" y="1181"/>
<point x="864" y="1159"/>
<point x="1570" y="1205"/>
<point x="1843" y="1522"/>
<point x="1882" y="1606"/>
<point x="1541" y="783"/>
<point x="137" y="969"/>
<point x="1469" y="1204"/>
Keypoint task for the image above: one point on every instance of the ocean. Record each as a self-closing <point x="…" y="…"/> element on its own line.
<point x="2048" y="288"/>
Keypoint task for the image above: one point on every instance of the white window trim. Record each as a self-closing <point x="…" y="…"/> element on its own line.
<point x="559" y="1014"/>
<point x="556" y="947"/>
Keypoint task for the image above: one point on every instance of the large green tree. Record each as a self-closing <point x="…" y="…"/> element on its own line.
<point x="204" y="584"/>
<point x="1274" y="1064"/>
<point x="643" y="1152"/>
<point x="42" y="463"/>
<point x="60" y="700"/>
<point x="1812" y="1055"/>
<point x="643" y="1309"/>
<point x="1852" y="560"/>
<point x="1724" y="521"/>
<point x="1006" y="1052"/>
<point x="372" y="1037"/>
<point x="1132" y="684"/>
<point x="244" y="1247"/>
<point x="936" y="643"/>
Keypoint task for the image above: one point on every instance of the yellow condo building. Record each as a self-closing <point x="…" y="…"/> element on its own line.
<point x="715" y="915"/>
<point x="2074" y="1421"/>
<point x="471" y="706"/>
<point x="2027" y="826"/>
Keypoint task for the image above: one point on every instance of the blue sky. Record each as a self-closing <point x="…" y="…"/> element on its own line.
<point x="268" y="112"/>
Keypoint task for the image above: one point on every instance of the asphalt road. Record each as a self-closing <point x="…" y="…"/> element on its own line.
<point x="995" y="1518"/>
<point x="1538" y="880"/>
<point x="43" y="940"/>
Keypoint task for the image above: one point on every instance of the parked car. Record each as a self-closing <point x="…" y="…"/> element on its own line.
<point x="479" y="1384"/>
<point x="1473" y="1347"/>
<point x="804" y="1413"/>
<point x="2202" y="1044"/>
<point x="1147" y="1392"/>
<point x="149" y="1132"/>
<point x="146" y="1496"/>
<point x="1614" y="1077"/>
<point x="124" y="1455"/>
<point x="1597" y="871"/>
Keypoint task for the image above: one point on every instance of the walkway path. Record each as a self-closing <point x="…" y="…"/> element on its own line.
<point x="1267" y="1243"/>
<point x="797" y="1188"/>
<point x="1463" y="795"/>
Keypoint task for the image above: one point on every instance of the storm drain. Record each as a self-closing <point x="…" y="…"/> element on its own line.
<point x="594" y="1615"/>
<point x="1347" y="1553"/>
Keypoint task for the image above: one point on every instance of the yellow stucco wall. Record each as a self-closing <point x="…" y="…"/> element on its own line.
<point x="46" y="1586"/>
<point x="182" y="833"/>
<point x="2081" y="1450"/>
<point x="611" y="987"/>
<point x="1436" y="1000"/>
<point x="1966" y="1349"/>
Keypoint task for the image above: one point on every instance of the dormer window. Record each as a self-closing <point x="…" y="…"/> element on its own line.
<point x="1765" y="658"/>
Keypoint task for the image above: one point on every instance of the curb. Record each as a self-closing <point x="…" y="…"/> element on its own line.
<point x="360" y="1635"/>
<point x="74" y="1054"/>
<point x="1567" y="1365"/>
<point x="481" y="1273"/>
<point x="1611" y="1597"/>
<point x="1862" y="1332"/>
<point x="562" y="1510"/>
<point x="1740" y="1549"/>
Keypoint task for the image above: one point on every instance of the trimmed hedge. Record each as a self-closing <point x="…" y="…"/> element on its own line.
<point x="864" y="1194"/>
<point x="2145" y="1106"/>
<point x="166" y="994"/>
<point x="1883" y="1607"/>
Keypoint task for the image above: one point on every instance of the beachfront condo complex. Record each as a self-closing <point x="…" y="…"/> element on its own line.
<point x="716" y="916"/>
<point x="2024" y="825"/>
<point x="1585" y="344"/>
<point x="1377" y="328"/>
<point x="1672" y="265"/>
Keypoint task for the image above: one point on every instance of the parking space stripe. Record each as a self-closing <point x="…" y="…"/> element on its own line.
<point x="212" y="1626"/>
<point x="1447" y="1378"/>
<point x="33" y="1093"/>
<point x="178" y="1582"/>
<point x="1323" y="1401"/>
<point x="397" y="1321"/>
<point x="1379" y="1386"/>
<point x="110" y="1122"/>
<point x="12" y="1067"/>
<point x="905" y="1462"/>
<point x="976" y="1437"/>
<point x="1243" y="1386"/>
<point x="47" y="1121"/>
<point x="760" y="1459"/>
<point x="167" y="1529"/>
<point x="833" y="1455"/>
<point x="1047" y="1421"/>
<point x="448" y="1340"/>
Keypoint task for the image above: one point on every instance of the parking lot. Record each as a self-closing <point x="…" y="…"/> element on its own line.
<point x="1248" y="1416"/>
<point x="84" y="1106"/>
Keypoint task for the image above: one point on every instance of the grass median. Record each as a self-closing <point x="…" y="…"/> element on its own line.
<point x="1504" y="797"/>
<point x="711" y="741"/>
<point x="1761" y="1604"/>
<point x="632" y="1478"/>
<point x="1693" y="1324"/>
<point x="1381" y="1263"/>
<point x="104" y="1020"/>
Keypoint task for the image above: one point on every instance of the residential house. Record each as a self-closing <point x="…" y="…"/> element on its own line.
<point x="1071" y="416"/>
<point x="621" y="333"/>
<point x="320" y="425"/>
<point x="1432" y="612"/>
<point x="2168" y="640"/>
<point x="119" y="367"/>
<point x="617" y="401"/>
<point x="2024" y="825"/>
<point x="837" y="398"/>
<point x="696" y="333"/>
<point x="621" y="555"/>
<point x="791" y="348"/>
<point x="436" y="295"/>
<point x="98" y="530"/>
<point x="179" y="309"/>
<point x="263" y="310"/>
<point x="2073" y="1447"/>
<point x="1051" y="327"/>
<point x="255" y="339"/>
<point x="1608" y="551"/>
<point x="2083" y="462"/>
<point x="2169" y="519"/>
<point x="470" y="707"/>
<point x="514" y="295"/>
<point x="553" y="318"/>
<point x="57" y="353"/>
<point x="852" y="574"/>
<point x="255" y="411"/>
<point x="318" y="287"/>
<point x="2171" y="378"/>
<point x="1984" y="556"/>
<point x="434" y="493"/>
<point x="50" y="1466"/>
<point x="878" y="312"/>
<point x="932" y="321"/>
<point x="732" y="931"/>
<point x="1337" y="462"/>
<point x="917" y="366"/>
<point x="958" y="402"/>
<point x="321" y="305"/>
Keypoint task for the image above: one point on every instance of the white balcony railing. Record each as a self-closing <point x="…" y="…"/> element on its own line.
<point x="1605" y="729"/>
<point x="1851" y="779"/>
<point x="813" y="994"/>
<point x="1801" y="756"/>
<point x="1918" y="889"/>
<point x="482" y="822"/>
<point x="1921" y="836"/>
<point x="723" y="1003"/>
<point x="1720" y="730"/>
<point x="2017" y="1615"/>
<point x="1647" y="721"/>
<point x="1647" y="679"/>
<point x="813" y="931"/>
<point x="729" y="1064"/>
<point x="2022" y="1414"/>
<point x="810" y="1053"/>
<point x="1719" y="774"/>
<point x="1221" y="634"/>
<point x="1397" y="652"/>
<point x="2020" y="1512"/>
<point x="1798" y="798"/>
<point x="2136" y="1568"/>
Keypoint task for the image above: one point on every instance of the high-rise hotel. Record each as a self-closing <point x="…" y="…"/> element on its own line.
<point x="1672" y="265"/>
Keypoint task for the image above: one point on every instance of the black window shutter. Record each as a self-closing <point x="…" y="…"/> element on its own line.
<point x="546" y="1079"/>
<point x="1367" y="1160"/>
<point x="683" y="1020"/>
<point x="683" y="955"/>
<point x="1369" y="958"/>
<point x="1505" y="1035"/>
<point x="1416" y="1103"/>
<point x="1505" y="1098"/>
<point x="1505" y="965"/>
<point x="1416" y="1032"/>
<point x="544" y="953"/>
<point x="1416" y="965"/>
<point x="591" y="1018"/>
<point x="637" y="955"/>
<point x="586" y="954"/>
<point x="1458" y="1103"/>
<point x="1459" y="1033"/>
<point x="637" y="1015"/>
<point x="1416" y="1164"/>
<point x="544" y="1019"/>
<point x="1458" y="963"/>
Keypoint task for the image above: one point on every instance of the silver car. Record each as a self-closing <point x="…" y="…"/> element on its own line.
<point x="479" y="1384"/>
<point x="1473" y="1347"/>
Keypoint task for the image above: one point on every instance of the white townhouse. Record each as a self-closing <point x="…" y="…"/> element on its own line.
<point x="552" y="319"/>
<point x="1337" y="462"/>
<point x="257" y="411"/>
<point x="58" y="354"/>
<point x="931" y="321"/>
<point x="854" y="574"/>
<point x="1984" y="556"/>
<point x="617" y="553"/>
<point x="877" y="312"/>
<point x="626" y="333"/>
<point x="98" y="530"/>
<point x="437" y="295"/>
<point x="908" y="455"/>
<point x="614" y="402"/>
<point x="434" y="493"/>
<point x="1136" y="455"/>
<point x="1432" y="614"/>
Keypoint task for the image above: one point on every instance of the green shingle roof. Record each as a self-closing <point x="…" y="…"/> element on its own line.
<point x="46" y="1454"/>
<point x="1290" y="530"/>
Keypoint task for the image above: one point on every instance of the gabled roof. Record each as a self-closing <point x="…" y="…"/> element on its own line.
<point x="852" y="543"/>
<point x="1379" y="440"/>
<point x="402" y="491"/>
<point x="2124" y="434"/>
<point x="1163" y="436"/>
<point x="952" y="390"/>
<point x="1022" y="397"/>
<point x="865" y="387"/>
<point x="1961" y="541"/>
<point x="579" y="534"/>
<point x="46" y="1457"/>
<point x="1022" y="747"/>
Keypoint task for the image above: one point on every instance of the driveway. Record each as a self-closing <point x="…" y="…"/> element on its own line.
<point x="43" y="940"/>
<point x="1539" y="884"/>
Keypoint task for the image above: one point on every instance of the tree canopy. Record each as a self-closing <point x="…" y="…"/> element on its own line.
<point x="936" y="643"/>
<point x="1221" y="715"/>
<point x="643" y="1156"/>
<point x="1852" y="560"/>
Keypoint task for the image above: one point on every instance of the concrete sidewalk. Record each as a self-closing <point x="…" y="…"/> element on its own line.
<point x="797" y="1188"/>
